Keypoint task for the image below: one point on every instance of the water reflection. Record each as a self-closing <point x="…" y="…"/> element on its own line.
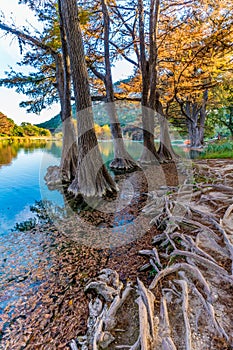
<point x="9" y="149"/>
<point x="20" y="170"/>
<point x="23" y="165"/>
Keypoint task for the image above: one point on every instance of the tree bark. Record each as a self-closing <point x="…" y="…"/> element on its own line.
<point x="203" y="117"/>
<point x="191" y="112"/>
<point x="69" y="151"/>
<point x="148" y="69"/>
<point x="153" y="54"/>
<point x="166" y="151"/>
<point x="122" y="159"/>
<point x="92" y="178"/>
<point x="69" y="158"/>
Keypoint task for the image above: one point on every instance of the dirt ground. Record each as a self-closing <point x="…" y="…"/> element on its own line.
<point x="52" y="307"/>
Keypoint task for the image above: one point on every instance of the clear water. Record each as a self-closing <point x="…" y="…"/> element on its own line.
<point x="23" y="166"/>
<point x="21" y="172"/>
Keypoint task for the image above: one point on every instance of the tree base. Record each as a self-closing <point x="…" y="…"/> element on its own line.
<point x="167" y="155"/>
<point x="149" y="158"/>
<point x="53" y="177"/>
<point x="123" y="165"/>
<point x="69" y="164"/>
<point x="89" y="184"/>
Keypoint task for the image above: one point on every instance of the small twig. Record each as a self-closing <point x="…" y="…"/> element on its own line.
<point x="159" y="238"/>
<point x="156" y="254"/>
<point x="153" y="264"/>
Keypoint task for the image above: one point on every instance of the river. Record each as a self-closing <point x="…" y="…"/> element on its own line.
<point x="23" y="166"/>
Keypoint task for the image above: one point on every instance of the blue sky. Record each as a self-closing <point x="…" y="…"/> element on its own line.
<point x="10" y="54"/>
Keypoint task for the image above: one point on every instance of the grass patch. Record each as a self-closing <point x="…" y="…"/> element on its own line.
<point x="218" y="150"/>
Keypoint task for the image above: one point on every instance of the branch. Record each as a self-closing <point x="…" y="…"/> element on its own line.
<point x="117" y="97"/>
<point x="123" y="54"/>
<point x="27" y="37"/>
<point x="95" y="71"/>
<point x="181" y="103"/>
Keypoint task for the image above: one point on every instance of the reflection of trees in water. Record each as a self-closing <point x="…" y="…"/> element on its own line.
<point x="55" y="148"/>
<point x="106" y="149"/>
<point x="9" y="149"/>
<point x="7" y="153"/>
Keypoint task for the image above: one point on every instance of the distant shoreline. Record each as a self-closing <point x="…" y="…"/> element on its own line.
<point x="19" y="138"/>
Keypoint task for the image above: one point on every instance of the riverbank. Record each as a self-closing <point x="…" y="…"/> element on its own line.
<point x="54" y="308"/>
<point x="30" y="138"/>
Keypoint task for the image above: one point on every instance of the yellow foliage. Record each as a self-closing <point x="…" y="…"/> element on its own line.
<point x="106" y="130"/>
<point x="102" y="131"/>
<point x="98" y="130"/>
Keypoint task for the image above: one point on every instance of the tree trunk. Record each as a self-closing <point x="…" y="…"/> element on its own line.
<point x="203" y="117"/>
<point x="69" y="158"/>
<point x="191" y="113"/>
<point x="195" y="136"/>
<point x="166" y="152"/>
<point x="149" y="154"/>
<point x="92" y="178"/>
<point x="122" y="159"/>
<point x="153" y="54"/>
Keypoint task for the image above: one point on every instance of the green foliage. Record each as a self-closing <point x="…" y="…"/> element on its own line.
<point x="39" y="86"/>
<point x="18" y="131"/>
<point x="33" y="130"/>
<point x="25" y="225"/>
<point x="84" y="16"/>
<point x="128" y="113"/>
<point x="222" y="119"/>
<point x="9" y="128"/>
<point x="218" y="150"/>
<point x="52" y="124"/>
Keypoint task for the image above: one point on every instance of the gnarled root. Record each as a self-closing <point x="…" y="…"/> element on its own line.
<point x="124" y="164"/>
<point x="103" y="308"/>
<point x="192" y="260"/>
<point x="53" y="177"/>
<point x="106" y="308"/>
<point x="198" y="269"/>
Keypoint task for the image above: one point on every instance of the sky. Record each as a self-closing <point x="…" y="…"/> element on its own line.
<point x="10" y="55"/>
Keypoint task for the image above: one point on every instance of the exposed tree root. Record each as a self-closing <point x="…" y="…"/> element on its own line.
<point x="167" y="342"/>
<point x="53" y="177"/>
<point x="148" y="157"/>
<point x="185" y="306"/>
<point x="167" y="154"/>
<point x="192" y="260"/>
<point x="124" y="164"/>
